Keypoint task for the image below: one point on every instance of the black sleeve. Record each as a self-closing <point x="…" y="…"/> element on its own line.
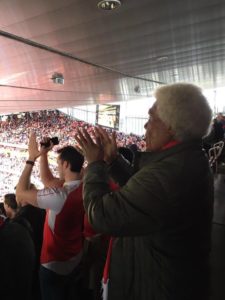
<point x="121" y="170"/>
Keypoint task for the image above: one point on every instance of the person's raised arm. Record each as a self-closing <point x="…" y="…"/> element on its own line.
<point x="46" y="175"/>
<point x="24" y="194"/>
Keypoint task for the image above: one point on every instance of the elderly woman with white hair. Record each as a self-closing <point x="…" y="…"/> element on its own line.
<point x="161" y="216"/>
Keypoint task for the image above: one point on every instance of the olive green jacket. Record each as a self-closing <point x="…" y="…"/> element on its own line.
<point x="161" y="218"/>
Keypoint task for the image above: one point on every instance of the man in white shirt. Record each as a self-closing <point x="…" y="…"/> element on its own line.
<point x="62" y="198"/>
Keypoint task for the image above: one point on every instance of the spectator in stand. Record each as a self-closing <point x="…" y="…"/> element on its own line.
<point x="161" y="217"/>
<point x="218" y="130"/>
<point x="216" y="134"/>
<point x="10" y="205"/>
<point x="63" y="230"/>
<point x="221" y="119"/>
<point x="2" y="214"/>
<point x="133" y="148"/>
<point x="17" y="260"/>
<point x="35" y="217"/>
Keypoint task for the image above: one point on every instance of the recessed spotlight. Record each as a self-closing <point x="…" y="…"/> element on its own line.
<point x="109" y="4"/>
<point x="58" y="78"/>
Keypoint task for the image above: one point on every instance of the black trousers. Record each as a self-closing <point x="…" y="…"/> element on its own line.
<point x="60" y="287"/>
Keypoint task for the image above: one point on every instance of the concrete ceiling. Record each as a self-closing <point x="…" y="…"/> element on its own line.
<point x="106" y="56"/>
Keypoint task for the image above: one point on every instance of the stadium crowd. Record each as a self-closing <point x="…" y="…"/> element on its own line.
<point x="14" y="132"/>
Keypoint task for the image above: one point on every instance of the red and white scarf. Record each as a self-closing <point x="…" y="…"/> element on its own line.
<point x="105" y="279"/>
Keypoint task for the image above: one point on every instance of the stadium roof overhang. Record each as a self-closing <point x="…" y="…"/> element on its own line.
<point x="105" y="56"/>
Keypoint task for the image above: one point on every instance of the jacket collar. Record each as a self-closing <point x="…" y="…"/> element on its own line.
<point x="179" y="147"/>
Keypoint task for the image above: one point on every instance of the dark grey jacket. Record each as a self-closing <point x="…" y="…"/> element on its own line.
<point x="162" y="220"/>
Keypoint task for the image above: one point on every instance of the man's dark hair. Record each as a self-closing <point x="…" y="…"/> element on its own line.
<point x="10" y="200"/>
<point x="73" y="157"/>
<point x="133" y="148"/>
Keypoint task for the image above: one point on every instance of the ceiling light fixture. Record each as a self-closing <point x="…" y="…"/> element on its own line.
<point x="109" y="4"/>
<point x="58" y="78"/>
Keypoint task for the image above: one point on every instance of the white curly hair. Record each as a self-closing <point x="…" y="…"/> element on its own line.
<point x="184" y="108"/>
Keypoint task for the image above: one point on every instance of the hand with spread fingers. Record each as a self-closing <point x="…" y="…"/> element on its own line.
<point x="108" y="143"/>
<point x="34" y="153"/>
<point x="92" y="151"/>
